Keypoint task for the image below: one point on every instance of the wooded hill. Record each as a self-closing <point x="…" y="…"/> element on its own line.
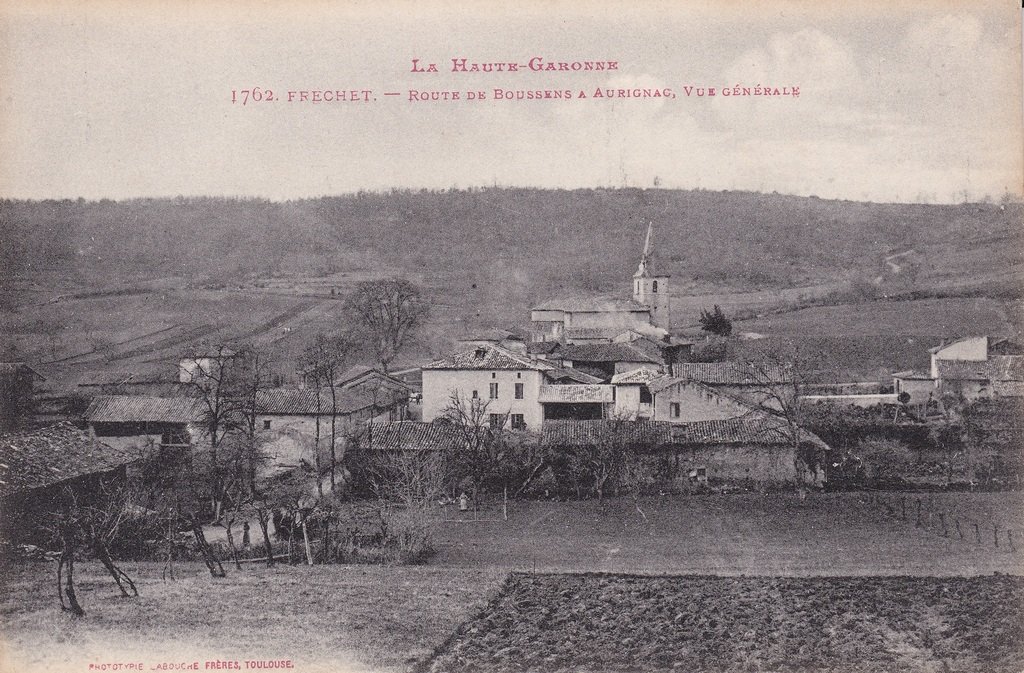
<point x="530" y="243"/>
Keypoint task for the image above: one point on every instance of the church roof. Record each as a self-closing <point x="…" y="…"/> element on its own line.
<point x="592" y="305"/>
<point x="613" y="352"/>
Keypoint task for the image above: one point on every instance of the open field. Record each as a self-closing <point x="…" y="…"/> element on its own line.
<point x="323" y="618"/>
<point x="744" y="533"/>
<point x="702" y="624"/>
<point x="362" y="618"/>
<point x="910" y="318"/>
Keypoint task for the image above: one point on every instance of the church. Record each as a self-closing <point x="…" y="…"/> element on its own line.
<point x="595" y="320"/>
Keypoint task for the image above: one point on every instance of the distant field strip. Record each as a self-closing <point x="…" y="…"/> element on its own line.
<point x="97" y="355"/>
<point x="279" y="320"/>
<point x="164" y="344"/>
<point x="597" y="622"/>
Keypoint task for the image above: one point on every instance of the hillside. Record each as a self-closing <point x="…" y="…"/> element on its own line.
<point x="117" y="278"/>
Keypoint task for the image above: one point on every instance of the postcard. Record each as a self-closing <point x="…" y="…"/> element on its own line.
<point x="569" y="336"/>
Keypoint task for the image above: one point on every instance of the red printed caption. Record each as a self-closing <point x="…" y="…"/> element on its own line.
<point x="210" y="665"/>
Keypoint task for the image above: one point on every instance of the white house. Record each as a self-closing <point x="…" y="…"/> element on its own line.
<point x="508" y="383"/>
<point x="979" y="367"/>
<point x="649" y="394"/>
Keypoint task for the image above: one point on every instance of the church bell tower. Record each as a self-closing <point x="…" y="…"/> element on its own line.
<point x="651" y="289"/>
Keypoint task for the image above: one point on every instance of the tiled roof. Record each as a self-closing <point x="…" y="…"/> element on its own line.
<point x="641" y="376"/>
<point x="595" y="332"/>
<point x="577" y="394"/>
<point x="591" y="305"/>
<point x="487" y="357"/>
<point x="996" y="368"/>
<point x="144" y="408"/>
<point x="51" y="455"/>
<point x="303" y="402"/>
<point x="560" y="373"/>
<point x="742" y="430"/>
<point x="613" y="352"/>
<point x="761" y="430"/>
<point x="359" y="374"/>
<point x="413" y="435"/>
<point x="912" y="375"/>
<point x="583" y="433"/>
<point x="542" y="347"/>
<point x="733" y="373"/>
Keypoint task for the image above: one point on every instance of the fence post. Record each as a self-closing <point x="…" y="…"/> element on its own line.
<point x="942" y="520"/>
<point x="977" y="532"/>
<point x="1009" y="538"/>
<point x="995" y="534"/>
<point x="959" y="530"/>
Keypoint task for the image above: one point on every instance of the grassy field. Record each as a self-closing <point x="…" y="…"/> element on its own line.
<point x="746" y="533"/>
<point x="361" y="618"/>
<point x="716" y="624"/>
<point x="921" y="318"/>
<point x="322" y="618"/>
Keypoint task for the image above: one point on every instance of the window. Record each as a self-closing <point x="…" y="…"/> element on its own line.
<point x="645" y="395"/>
<point x="494" y="375"/>
<point x="518" y="422"/>
<point x="494" y="391"/>
<point x="654" y="286"/>
<point x="674" y="409"/>
<point x="266" y="425"/>
<point x="475" y="394"/>
<point x="519" y="391"/>
<point x="497" y="420"/>
<point x="519" y="375"/>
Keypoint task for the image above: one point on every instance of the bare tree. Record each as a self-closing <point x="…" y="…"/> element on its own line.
<point x="210" y="377"/>
<point x="772" y="391"/>
<point x="470" y="418"/>
<point x="325" y="360"/>
<point x="601" y="461"/>
<point x="389" y="311"/>
<point x="94" y="526"/>
<point x="407" y="483"/>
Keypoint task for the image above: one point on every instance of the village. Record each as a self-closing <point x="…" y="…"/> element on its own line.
<point x="597" y="396"/>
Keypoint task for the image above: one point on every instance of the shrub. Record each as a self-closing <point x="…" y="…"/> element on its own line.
<point x="714" y="321"/>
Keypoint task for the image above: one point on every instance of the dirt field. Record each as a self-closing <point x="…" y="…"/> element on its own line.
<point x="705" y="624"/>
<point x="746" y="533"/>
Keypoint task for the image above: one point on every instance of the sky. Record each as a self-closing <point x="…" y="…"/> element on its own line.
<point x="916" y="104"/>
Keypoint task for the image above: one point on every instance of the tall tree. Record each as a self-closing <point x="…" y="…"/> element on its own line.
<point x="324" y="362"/>
<point x="210" y="374"/>
<point x="389" y="311"/>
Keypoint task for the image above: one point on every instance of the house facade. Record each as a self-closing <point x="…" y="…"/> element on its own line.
<point x="141" y="421"/>
<point x="508" y="384"/>
<point x="650" y="394"/>
<point x="297" y="423"/>
<point x="755" y="449"/>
